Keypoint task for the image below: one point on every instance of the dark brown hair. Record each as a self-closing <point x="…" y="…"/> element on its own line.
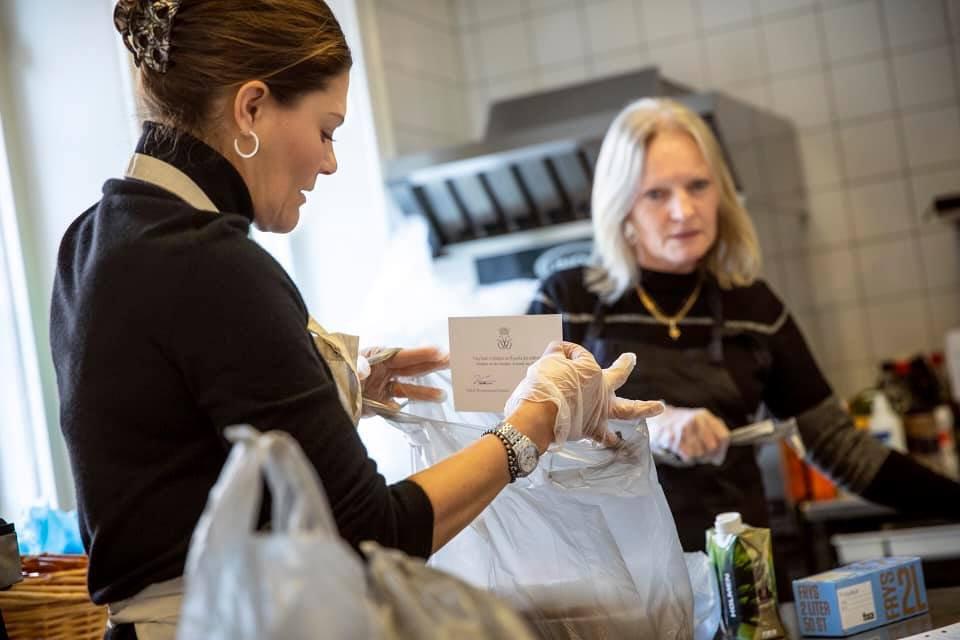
<point x="294" y="46"/>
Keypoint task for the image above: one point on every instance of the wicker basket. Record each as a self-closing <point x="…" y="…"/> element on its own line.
<point x="52" y="601"/>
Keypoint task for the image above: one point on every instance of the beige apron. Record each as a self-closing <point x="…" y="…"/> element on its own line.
<point x="155" y="610"/>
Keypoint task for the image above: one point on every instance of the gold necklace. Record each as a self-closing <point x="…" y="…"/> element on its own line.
<point x="661" y="317"/>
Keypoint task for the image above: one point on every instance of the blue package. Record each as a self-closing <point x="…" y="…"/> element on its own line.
<point x="860" y="596"/>
<point x="48" y="530"/>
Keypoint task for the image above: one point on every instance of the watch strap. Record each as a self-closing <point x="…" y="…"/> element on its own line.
<point x="513" y="467"/>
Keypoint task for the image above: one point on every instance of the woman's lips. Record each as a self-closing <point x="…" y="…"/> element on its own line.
<point x="685" y="235"/>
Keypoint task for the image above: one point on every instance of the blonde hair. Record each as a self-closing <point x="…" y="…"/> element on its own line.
<point x="734" y="258"/>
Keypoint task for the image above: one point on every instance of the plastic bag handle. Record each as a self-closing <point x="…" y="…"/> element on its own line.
<point x="230" y="515"/>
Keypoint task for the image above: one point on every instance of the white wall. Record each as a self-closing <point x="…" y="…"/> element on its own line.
<point x="870" y="85"/>
<point x="343" y="227"/>
<point x="420" y="58"/>
<point x="67" y="130"/>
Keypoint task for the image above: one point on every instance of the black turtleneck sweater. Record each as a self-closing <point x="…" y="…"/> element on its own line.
<point x="791" y="388"/>
<point x="169" y="324"/>
<point x="779" y="372"/>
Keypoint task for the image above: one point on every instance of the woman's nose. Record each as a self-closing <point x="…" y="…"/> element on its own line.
<point x="681" y="205"/>
<point x="329" y="165"/>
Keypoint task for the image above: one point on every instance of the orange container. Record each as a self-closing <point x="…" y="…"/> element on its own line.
<point x="803" y="482"/>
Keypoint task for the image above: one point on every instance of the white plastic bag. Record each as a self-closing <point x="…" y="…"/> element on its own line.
<point x="585" y="547"/>
<point x="706" y="595"/>
<point x="298" y="581"/>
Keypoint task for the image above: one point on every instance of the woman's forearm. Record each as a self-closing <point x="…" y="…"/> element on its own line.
<point x="461" y="486"/>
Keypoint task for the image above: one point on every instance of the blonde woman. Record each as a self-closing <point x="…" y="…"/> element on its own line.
<point x="676" y="282"/>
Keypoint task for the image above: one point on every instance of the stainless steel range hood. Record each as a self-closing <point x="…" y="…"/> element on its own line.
<point x="532" y="171"/>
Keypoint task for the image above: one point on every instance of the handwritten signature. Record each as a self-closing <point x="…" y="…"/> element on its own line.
<point x="482" y="380"/>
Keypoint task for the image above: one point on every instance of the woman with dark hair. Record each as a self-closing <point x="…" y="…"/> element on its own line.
<point x="169" y="324"/>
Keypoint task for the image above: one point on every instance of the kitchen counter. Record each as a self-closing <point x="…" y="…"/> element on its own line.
<point x="944" y="609"/>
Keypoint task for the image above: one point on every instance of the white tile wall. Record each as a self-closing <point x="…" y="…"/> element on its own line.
<point x="899" y="327"/>
<point x="504" y="49"/>
<point x="558" y="38"/>
<point x="870" y="149"/>
<point x="612" y="26"/>
<point x="932" y="137"/>
<point x="870" y="88"/>
<point x="792" y="43"/>
<point x="880" y="209"/>
<point x="861" y="89"/>
<point x="940" y="251"/>
<point x="889" y="268"/>
<point x="944" y="315"/>
<point x="802" y="99"/>
<point x="915" y="22"/>
<point x="424" y="72"/>
<point x="682" y="61"/>
<point x="924" y="77"/>
<point x="425" y="10"/>
<point x="818" y="153"/>
<point x="852" y="30"/>
<point x="735" y="56"/>
<point x="665" y="20"/>
<point x="842" y="336"/>
<point x="723" y="14"/>
<point x="826" y="223"/>
<point x="821" y="279"/>
<point x="542" y="5"/>
<point x="779" y="7"/>
<point x="622" y="61"/>
<point x="489" y="10"/>
<point x="629" y="59"/>
<point x="563" y="75"/>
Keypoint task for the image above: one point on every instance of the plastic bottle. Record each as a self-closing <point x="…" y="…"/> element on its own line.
<point x="885" y="425"/>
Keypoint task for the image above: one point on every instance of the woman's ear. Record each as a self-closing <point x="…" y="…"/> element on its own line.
<point x="248" y="104"/>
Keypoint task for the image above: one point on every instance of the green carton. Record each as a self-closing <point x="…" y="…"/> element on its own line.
<point x="743" y="559"/>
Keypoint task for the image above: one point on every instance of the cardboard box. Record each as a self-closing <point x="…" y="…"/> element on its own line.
<point x="860" y="596"/>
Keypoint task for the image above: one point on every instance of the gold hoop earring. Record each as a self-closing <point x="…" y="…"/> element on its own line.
<point x="256" y="146"/>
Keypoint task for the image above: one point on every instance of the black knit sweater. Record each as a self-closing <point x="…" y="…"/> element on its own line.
<point x="772" y="366"/>
<point x="169" y="324"/>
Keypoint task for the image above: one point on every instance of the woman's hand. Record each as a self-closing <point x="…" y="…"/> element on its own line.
<point x="385" y="366"/>
<point x="694" y="435"/>
<point x="585" y="397"/>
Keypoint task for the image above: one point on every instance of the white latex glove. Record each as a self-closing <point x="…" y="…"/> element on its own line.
<point x="693" y="435"/>
<point x="585" y="395"/>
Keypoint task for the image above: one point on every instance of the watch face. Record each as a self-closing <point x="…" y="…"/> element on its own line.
<point x="527" y="457"/>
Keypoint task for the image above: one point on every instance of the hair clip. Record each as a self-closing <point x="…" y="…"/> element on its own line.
<point x="145" y="26"/>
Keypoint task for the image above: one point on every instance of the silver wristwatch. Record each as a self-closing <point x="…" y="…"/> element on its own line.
<point x="522" y="453"/>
